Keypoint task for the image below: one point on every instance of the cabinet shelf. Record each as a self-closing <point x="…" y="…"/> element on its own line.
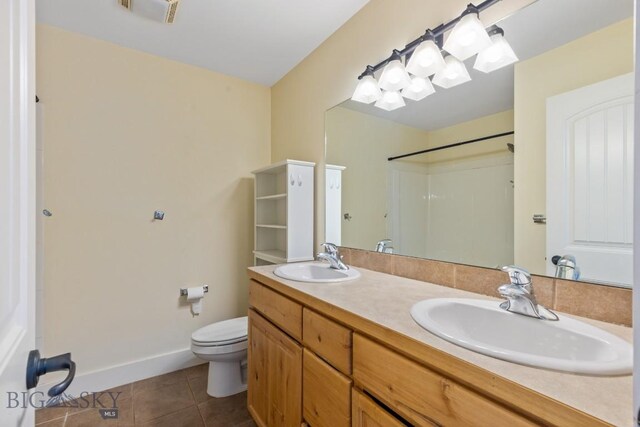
<point x="276" y="256"/>
<point x="273" y="197"/>
<point x="279" y="227"/>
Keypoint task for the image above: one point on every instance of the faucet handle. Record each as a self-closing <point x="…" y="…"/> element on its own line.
<point x="517" y="275"/>
<point x="330" y="248"/>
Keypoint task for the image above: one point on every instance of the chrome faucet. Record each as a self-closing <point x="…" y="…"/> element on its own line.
<point x="520" y="296"/>
<point x="566" y="267"/>
<point x="332" y="254"/>
<point x="384" y="246"/>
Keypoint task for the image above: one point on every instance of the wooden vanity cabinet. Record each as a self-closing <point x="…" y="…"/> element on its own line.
<point x="366" y="413"/>
<point x="274" y="395"/>
<point x="287" y="383"/>
<point x="422" y="396"/>
<point x="307" y="369"/>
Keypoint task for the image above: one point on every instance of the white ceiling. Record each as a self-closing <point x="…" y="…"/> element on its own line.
<point x="255" y="40"/>
<point x="533" y="30"/>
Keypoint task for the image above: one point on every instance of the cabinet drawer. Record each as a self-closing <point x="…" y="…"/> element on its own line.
<point x="366" y="413"/>
<point x="420" y="395"/>
<point x="326" y="393"/>
<point x="282" y="311"/>
<point x="327" y="339"/>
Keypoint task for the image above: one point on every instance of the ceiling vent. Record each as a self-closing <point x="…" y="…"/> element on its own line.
<point x="158" y="10"/>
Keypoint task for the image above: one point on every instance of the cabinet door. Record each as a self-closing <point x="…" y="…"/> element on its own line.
<point x="300" y="193"/>
<point x="275" y="375"/>
<point x="366" y="413"/>
<point x="326" y="394"/>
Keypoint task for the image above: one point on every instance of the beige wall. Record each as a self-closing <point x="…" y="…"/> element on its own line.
<point x="328" y="75"/>
<point x="127" y="133"/>
<point x="472" y="129"/>
<point x="363" y="143"/>
<point x="598" y="56"/>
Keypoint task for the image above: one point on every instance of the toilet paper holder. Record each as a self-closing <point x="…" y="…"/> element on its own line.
<point x="183" y="291"/>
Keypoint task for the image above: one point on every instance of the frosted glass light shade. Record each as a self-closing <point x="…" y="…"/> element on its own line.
<point x="367" y="90"/>
<point x="453" y="73"/>
<point x="394" y="76"/>
<point x="419" y="89"/>
<point x="426" y="60"/>
<point x="467" y="38"/>
<point x="498" y="55"/>
<point x="390" y="101"/>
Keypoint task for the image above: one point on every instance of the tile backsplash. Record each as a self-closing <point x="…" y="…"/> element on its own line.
<point x="599" y="302"/>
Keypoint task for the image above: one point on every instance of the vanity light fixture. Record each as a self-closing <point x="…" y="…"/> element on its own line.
<point x="157" y="10"/>
<point x="390" y="100"/>
<point x="394" y="76"/>
<point x="424" y="58"/>
<point x="427" y="59"/>
<point x="367" y="90"/>
<point x="499" y="54"/>
<point x="468" y="37"/>
<point x="419" y="89"/>
<point x="453" y="74"/>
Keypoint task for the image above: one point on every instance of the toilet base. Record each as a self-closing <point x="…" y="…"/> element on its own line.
<point x="227" y="378"/>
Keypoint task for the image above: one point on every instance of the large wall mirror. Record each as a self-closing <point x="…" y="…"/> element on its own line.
<point x="544" y="176"/>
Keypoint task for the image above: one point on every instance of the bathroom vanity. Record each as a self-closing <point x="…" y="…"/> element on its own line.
<point x="341" y="354"/>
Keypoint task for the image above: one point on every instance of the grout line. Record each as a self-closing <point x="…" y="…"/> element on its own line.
<point x="193" y="394"/>
<point x="204" y="422"/>
<point x="455" y="277"/>
<point x="184" y="376"/>
<point x="162" y="416"/>
<point x="159" y="388"/>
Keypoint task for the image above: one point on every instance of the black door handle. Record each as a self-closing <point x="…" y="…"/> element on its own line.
<point x="37" y="366"/>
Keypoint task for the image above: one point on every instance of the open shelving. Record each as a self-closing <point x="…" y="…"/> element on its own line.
<point x="284" y="197"/>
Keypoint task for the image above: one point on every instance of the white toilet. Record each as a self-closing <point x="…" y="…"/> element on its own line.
<point x="224" y="345"/>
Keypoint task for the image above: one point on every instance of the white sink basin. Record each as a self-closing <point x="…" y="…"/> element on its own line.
<point x="315" y="272"/>
<point x="564" y="345"/>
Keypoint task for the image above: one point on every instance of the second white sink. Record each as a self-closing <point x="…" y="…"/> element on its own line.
<point x="315" y="272"/>
<point x="565" y="345"/>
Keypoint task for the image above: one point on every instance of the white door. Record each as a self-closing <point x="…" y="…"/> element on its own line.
<point x="590" y="179"/>
<point x="17" y="206"/>
<point x="636" y="198"/>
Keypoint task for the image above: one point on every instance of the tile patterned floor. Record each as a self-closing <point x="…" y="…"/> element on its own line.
<point x="177" y="399"/>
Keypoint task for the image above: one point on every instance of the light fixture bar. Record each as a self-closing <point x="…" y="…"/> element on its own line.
<point x="437" y="32"/>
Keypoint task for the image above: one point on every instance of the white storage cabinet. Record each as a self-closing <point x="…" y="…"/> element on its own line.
<point x="284" y="199"/>
<point x="333" y="204"/>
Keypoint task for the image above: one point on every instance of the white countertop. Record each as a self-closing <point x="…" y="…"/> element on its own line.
<point x="386" y="300"/>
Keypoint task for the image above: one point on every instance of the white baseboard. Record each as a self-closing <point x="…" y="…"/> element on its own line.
<point x="125" y="373"/>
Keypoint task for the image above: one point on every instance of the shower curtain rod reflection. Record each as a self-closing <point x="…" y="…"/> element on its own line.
<point x="457" y="144"/>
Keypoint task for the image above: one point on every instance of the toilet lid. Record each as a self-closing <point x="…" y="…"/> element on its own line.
<point x="222" y="333"/>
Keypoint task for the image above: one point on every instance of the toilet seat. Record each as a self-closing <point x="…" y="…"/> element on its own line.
<point x="208" y="350"/>
<point x="225" y="333"/>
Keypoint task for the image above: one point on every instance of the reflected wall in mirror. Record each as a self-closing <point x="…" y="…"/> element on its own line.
<point x="546" y="168"/>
